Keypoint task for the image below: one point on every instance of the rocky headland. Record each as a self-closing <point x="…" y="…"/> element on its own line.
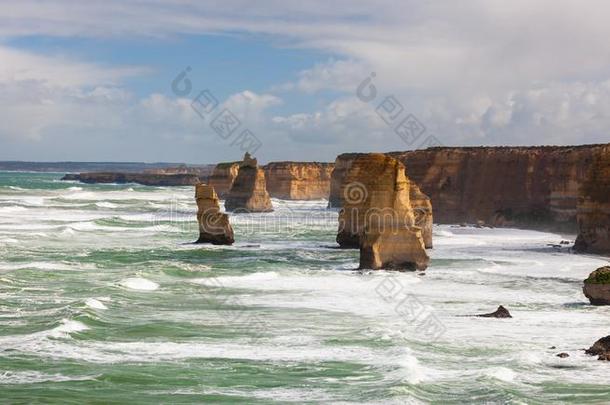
<point x="249" y="192"/>
<point x="146" y="179"/>
<point x="556" y="188"/>
<point x="377" y="215"/>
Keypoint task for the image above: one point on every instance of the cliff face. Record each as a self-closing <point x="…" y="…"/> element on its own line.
<point x="534" y="187"/>
<point x="223" y="176"/>
<point x="377" y="214"/>
<point x="593" y="209"/>
<point x="298" y="180"/>
<point x="146" y="179"/>
<point x="248" y="192"/>
<point x="214" y="226"/>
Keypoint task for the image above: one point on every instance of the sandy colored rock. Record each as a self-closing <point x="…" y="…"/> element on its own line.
<point x="535" y="187"/>
<point x="248" y="192"/>
<point x="214" y="226"/>
<point x="597" y="286"/>
<point x="223" y="176"/>
<point x="377" y="215"/>
<point x="422" y="209"/>
<point x="340" y="190"/>
<point x="593" y="210"/>
<point x="298" y="180"/>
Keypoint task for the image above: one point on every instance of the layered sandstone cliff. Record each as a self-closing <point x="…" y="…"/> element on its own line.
<point x="298" y="180"/>
<point x="530" y="187"/>
<point x="593" y="209"/>
<point x="377" y="214"/>
<point x="214" y="226"/>
<point x="146" y="179"/>
<point x="223" y="176"/>
<point x="248" y="192"/>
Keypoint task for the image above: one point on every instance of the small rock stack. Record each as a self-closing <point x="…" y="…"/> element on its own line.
<point x="214" y="226"/>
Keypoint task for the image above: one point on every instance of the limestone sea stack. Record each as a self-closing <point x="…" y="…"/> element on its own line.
<point x="597" y="286"/>
<point x="223" y="176"/>
<point x="420" y="203"/>
<point x="377" y="214"/>
<point x="298" y="180"/>
<point x="214" y="226"/>
<point x="248" y="192"/>
<point x="593" y="209"/>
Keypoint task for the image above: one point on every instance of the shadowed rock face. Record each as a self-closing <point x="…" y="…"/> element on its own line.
<point x="223" y="176"/>
<point x="214" y="226"/>
<point x="530" y="187"/>
<point x="594" y="206"/>
<point x="377" y="214"/>
<point x="146" y="179"/>
<point x="601" y="348"/>
<point x="298" y="180"/>
<point x="249" y="192"/>
<point x="501" y="312"/>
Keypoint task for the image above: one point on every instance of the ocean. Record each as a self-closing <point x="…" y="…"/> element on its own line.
<point x="104" y="299"/>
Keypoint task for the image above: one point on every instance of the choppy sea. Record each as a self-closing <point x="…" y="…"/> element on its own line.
<point x="103" y="299"/>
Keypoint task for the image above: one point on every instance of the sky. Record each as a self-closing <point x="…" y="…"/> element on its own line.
<point x="203" y="81"/>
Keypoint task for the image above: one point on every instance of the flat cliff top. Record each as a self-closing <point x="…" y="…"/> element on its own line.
<point x="289" y="163"/>
<point x="545" y="148"/>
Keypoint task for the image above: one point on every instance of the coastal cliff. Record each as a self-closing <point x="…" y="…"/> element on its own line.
<point x="529" y="187"/>
<point x="223" y="176"/>
<point x="593" y="209"/>
<point x="298" y="180"/>
<point x="146" y="179"/>
<point x="377" y="215"/>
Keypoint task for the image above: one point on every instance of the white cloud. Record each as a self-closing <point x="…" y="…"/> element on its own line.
<point x="475" y="72"/>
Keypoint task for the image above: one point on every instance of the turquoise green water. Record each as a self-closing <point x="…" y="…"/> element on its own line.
<point x="103" y="299"/>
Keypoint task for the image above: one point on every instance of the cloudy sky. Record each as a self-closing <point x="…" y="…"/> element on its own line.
<point x="98" y="80"/>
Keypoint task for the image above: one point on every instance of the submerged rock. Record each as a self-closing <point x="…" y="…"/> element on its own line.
<point x="601" y="348"/>
<point x="377" y="215"/>
<point x="597" y="286"/>
<point x="562" y="355"/>
<point x="214" y="226"/>
<point x="249" y="192"/>
<point x="501" y="312"/>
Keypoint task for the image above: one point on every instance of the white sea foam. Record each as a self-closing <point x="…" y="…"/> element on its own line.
<point x="32" y="377"/>
<point x="139" y="283"/>
<point x="105" y="204"/>
<point x="69" y="326"/>
<point x="95" y="304"/>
